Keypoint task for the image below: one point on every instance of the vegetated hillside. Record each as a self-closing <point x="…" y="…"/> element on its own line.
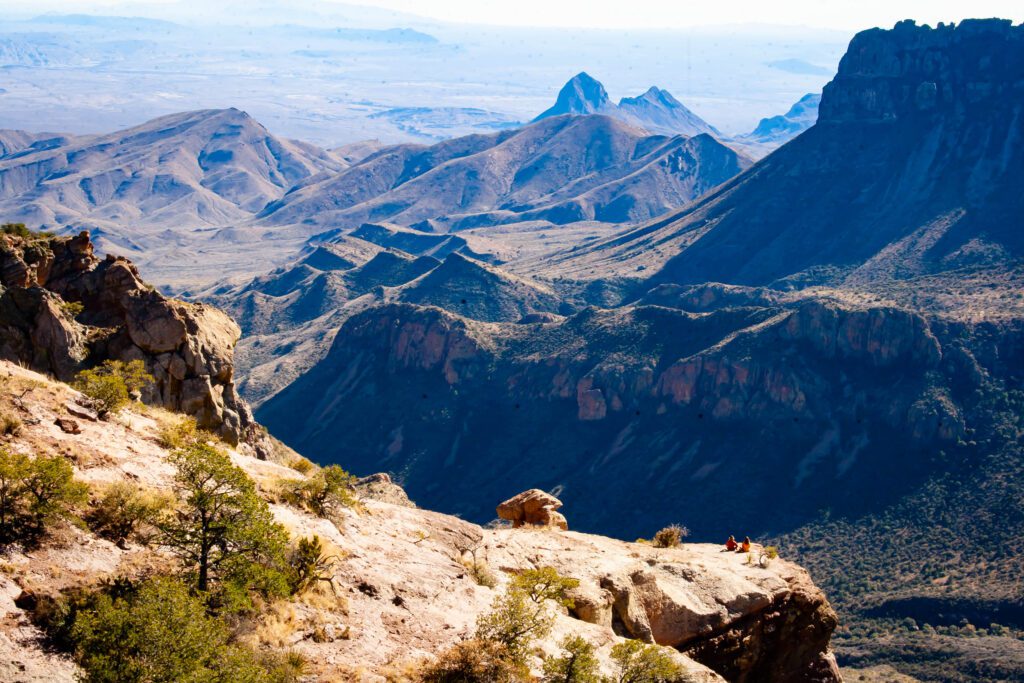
<point x="317" y="576"/>
<point x="850" y="380"/>
<point x="563" y="169"/>
<point x="830" y="393"/>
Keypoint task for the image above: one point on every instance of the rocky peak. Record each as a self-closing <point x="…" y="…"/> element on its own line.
<point x="653" y="95"/>
<point x="911" y="69"/>
<point x="62" y="309"/>
<point x="581" y="95"/>
<point x="658" y="111"/>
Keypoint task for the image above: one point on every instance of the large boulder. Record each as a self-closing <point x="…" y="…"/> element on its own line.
<point x="533" y="507"/>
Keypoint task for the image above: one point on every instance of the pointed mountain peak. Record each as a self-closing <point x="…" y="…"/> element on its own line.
<point x="583" y="94"/>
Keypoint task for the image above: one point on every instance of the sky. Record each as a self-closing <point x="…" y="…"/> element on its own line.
<point x="632" y="14"/>
<point x="611" y="14"/>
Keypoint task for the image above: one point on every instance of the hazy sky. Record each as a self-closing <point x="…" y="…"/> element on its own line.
<point x="841" y="14"/>
<point x="612" y="14"/>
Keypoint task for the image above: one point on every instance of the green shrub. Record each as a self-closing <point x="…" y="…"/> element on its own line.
<point x="223" y="532"/>
<point x="72" y="309"/>
<point x="578" y="663"/>
<point x="17" y="230"/>
<point x="475" y="661"/>
<point x="56" y="614"/>
<point x="520" y="615"/>
<point x="671" y="536"/>
<point x="326" y="492"/>
<point x="638" y="662"/>
<point x="123" y="510"/>
<point x="112" y="384"/>
<point x="309" y="565"/>
<point x="161" y="633"/>
<point x="35" y="493"/>
<point x="480" y="572"/>
<point x="301" y="465"/>
<point x="182" y="432"/>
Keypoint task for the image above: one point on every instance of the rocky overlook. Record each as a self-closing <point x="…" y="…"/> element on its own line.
<point x="63" y="309"/>
<point x="402" y="584"/>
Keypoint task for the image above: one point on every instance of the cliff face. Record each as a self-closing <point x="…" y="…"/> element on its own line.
<point x="402" y="589"/>
<point x="63" y="309"/>
<point x="647" y="412"/>
<point x="913" y="70"/>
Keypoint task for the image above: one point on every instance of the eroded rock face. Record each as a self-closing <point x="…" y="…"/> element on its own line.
<point x="646" y="412"/>
<point x="911" y="69"/>
<point x="788" y="640"/>
<point x="381" y="488"/>
<point x="64" y="309"/>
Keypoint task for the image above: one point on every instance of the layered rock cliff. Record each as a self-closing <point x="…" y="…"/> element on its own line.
<point x="63" y="309"/>
<point x="649" y="412"/>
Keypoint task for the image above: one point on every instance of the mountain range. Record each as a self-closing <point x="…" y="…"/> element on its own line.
<point x="203" y="168"/>
<point x="198" y="185"/>
<point x="560" y="170"/>
<point x="612" y="303"/>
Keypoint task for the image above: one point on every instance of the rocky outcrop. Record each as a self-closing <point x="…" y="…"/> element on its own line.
<point x="879" y="336"/>
<point x="745" y="622"/>
<point x="381" y="488"/>
<point x="777" y="130"/>
<point x="64" y="309"/>
<point x="787" y="640"/>
<point x="582" y="94"/>
<point x="656" y="110"/>
<point x="534" y="508"/>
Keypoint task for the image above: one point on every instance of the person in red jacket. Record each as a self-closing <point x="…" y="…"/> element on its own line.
<point x="731" y="545"/>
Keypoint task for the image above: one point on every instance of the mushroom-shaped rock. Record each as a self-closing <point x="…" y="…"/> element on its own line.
<point x="533" y="507"/>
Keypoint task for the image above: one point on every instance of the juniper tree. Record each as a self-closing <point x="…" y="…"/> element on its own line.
<point x="224" y="533"/>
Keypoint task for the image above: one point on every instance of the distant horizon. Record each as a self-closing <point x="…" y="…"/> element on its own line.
<point x="640" y="15"/>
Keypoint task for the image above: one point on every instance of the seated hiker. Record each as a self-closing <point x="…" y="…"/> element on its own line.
<point x="745" y="547"/>
<point x="731" y="544"/>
